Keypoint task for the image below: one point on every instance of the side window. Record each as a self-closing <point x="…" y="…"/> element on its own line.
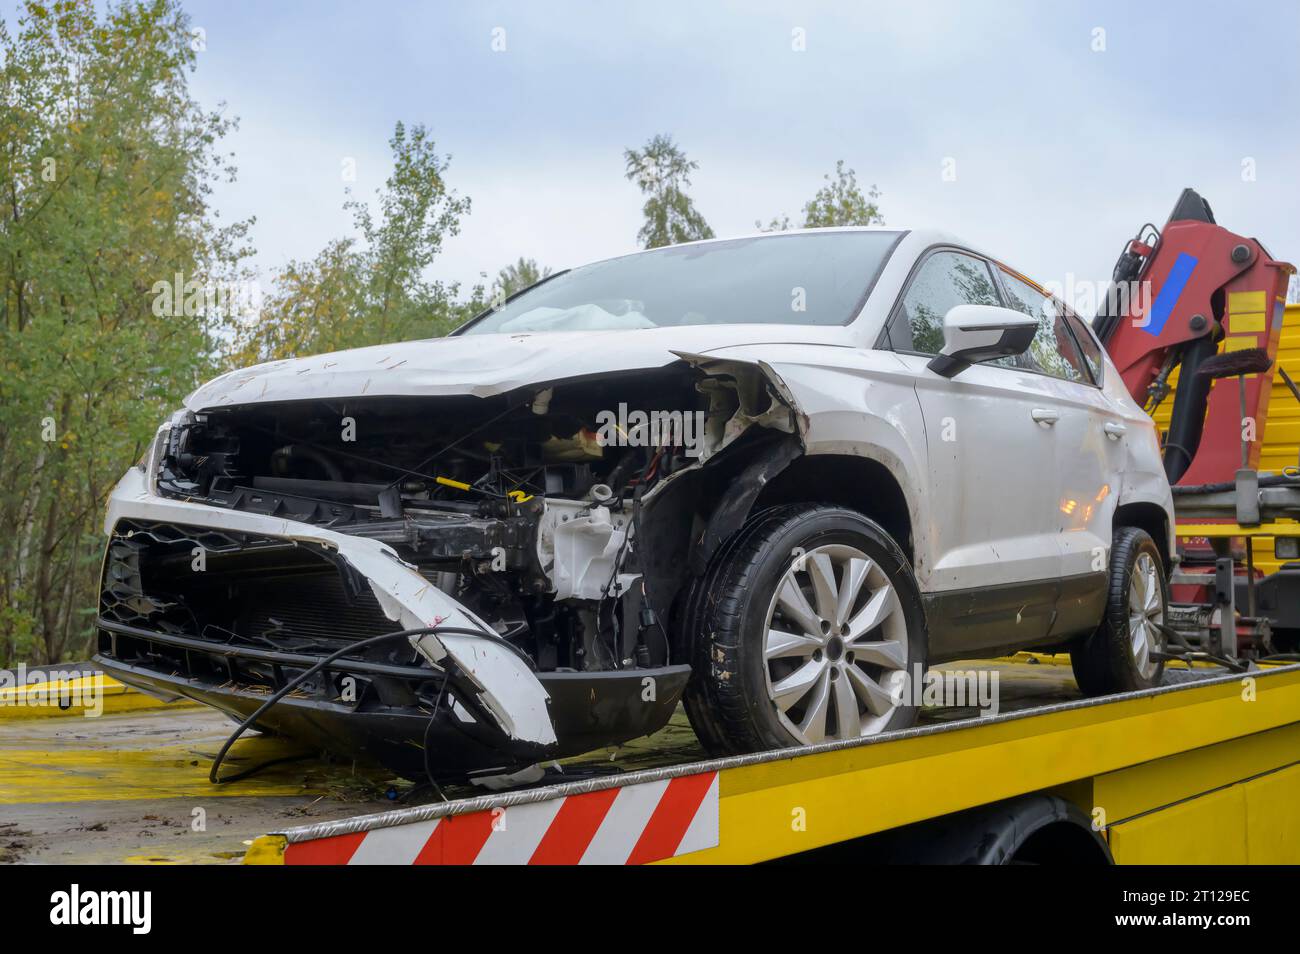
<point x="1052" y="351"/>
<point x="944" y="280"/>
<point x="1088" y="345"/>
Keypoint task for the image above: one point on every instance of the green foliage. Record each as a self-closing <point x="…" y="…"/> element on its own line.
<point x="839" y="202"/>
<point x="662" y="172"/>
<point x="517" y="276"/>
<point x="105" y="168"/>
<point x="775" y="225"/>
<point x="369" y="288"/>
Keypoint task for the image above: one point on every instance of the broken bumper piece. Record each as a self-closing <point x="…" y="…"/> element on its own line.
<point x="224" y="607"/>
<point x="587" y="707"/>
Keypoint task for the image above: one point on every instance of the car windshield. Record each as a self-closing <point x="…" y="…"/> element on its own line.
<point x="804" y="278"/>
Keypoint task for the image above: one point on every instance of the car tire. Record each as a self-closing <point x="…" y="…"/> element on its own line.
<point x="1121" y="655"/>
<point x="751" y="633"/>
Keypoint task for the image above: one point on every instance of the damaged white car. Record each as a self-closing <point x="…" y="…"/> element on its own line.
<point x="774" y="477"/>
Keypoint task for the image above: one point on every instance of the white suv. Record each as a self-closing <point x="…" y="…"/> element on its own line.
<point x="775" y="476"/>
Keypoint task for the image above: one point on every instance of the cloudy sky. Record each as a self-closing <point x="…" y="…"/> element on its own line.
<point x="1069" y="124"/>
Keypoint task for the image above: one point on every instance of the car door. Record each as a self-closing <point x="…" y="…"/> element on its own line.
<point x="1087" y="435"/>
<point x="992" y="469"/>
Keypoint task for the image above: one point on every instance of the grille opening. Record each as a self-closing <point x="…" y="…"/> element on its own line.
<point x="237" y="591"/>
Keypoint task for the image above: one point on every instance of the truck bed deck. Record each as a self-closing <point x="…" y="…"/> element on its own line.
<point x="131" y="785"/>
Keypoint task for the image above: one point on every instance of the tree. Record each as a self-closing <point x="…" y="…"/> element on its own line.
<point x="776" y="225"/>
<point x="369" y="288"/>
<point x="106" y="163"/>
<point x="839" y="202"/>
<point x="518" y="276"/>
<point x="662" y="172"/>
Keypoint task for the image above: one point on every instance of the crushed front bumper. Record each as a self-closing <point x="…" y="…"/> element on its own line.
<point x="590" y="710"/>
<point x="494" y="712"/>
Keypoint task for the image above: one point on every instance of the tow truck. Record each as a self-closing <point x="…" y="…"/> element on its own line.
<point x="1201" y="769"/>
<point x="1197" y="311"/>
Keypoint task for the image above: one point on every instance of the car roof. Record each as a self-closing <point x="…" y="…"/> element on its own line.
<point x="917" y="239"/>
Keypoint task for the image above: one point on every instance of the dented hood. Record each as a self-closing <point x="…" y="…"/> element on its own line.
<point x="484" y="365"/>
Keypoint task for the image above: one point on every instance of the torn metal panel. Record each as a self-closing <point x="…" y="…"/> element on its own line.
<point x="507" y="687"/>
<point x="762" y="399"/>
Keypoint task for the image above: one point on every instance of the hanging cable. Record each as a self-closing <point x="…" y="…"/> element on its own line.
<point x="306" y="674"/>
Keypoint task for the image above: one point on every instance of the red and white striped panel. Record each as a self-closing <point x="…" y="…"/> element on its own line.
<point x="631" y="825"/>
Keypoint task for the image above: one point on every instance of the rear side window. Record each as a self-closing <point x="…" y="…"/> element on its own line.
<point x="946" y="279"/>
<point x="1088" y="345"/>
<point x="1052" y="351"/>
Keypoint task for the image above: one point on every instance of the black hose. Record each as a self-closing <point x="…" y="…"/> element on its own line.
<point x="262" y="766"/>
<point x="1265" y="480"/>
<point x="428" y="768"/>
<point x="306" y="674"/>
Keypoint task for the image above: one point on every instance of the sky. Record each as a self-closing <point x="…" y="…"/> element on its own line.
<point x="1068" y="125"/>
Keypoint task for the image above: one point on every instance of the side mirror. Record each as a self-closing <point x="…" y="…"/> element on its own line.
<point x="973" y="333"/>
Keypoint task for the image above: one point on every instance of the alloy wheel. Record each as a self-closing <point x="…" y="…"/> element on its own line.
<point x="835" y="646"/>
<point x="1146" y="612"/>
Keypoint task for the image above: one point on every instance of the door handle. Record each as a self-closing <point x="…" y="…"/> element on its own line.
<point x="1114" y="430"/>
<point x="1045" y="415"/>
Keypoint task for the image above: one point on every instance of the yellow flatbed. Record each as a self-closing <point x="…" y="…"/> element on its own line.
<point x="1213" y="754"/>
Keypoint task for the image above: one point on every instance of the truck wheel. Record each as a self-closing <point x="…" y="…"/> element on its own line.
<point x="806" y="628"/>
<point x="1121" y="655"/>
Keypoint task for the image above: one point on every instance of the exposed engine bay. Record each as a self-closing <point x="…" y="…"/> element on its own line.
<point x="526" y="513"/>
<point x="479" y="494"/>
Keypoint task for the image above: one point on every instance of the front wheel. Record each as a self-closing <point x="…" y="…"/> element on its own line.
<point x="1125" y="651"/>
<point x="806" y="629"/>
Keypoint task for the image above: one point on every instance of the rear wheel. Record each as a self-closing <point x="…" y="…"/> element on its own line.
<point x="1123" y="653"/>
<point x="806" y="629"/>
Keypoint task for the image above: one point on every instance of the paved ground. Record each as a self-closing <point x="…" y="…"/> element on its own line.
<point x="132" y="787"/>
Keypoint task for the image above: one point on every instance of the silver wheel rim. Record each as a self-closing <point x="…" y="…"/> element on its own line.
<point x="1146" y="611"/>
<point x="835" y="646"/>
